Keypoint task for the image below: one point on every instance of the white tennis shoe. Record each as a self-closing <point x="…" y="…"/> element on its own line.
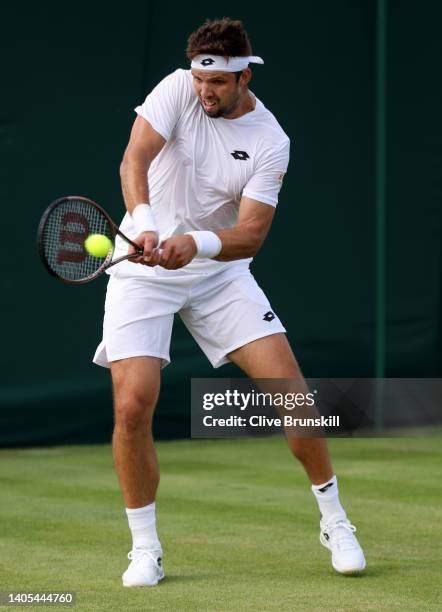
<point x="339" y="538"/>
<point x="145" y="568"/>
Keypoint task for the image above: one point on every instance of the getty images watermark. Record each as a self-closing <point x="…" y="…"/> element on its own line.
<point x="252" y="404"/>
<point x="227" y="407"/>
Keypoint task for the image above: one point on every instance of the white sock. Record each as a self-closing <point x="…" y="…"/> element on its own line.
<point x="327" y="496"/>
<point x="142" y="523"/>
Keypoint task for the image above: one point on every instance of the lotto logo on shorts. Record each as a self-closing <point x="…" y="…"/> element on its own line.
<point x="269" y="316"/>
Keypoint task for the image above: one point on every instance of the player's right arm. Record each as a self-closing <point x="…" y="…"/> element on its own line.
<point x="144" y="145"/>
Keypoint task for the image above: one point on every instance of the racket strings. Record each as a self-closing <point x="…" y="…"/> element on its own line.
<point x="66" y="228"/>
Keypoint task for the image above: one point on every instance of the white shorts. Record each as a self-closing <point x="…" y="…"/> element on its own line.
<point x="222" y="311"/>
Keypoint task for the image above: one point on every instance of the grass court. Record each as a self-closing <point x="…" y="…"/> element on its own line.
<point x="238" y="524"/>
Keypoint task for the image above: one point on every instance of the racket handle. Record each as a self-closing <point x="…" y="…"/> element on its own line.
<point x="137" y="253"/>
<point x="140" y="252"/>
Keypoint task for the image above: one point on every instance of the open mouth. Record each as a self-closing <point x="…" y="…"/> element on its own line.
<point x="208" y="104"/>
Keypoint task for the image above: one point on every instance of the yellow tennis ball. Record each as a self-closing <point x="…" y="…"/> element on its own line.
<point x="98" y="245"/>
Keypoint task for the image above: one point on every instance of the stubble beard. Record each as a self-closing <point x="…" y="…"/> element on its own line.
<point x="224" y="110"/>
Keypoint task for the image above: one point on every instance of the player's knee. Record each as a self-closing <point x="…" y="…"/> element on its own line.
<point x="133" y="414"/>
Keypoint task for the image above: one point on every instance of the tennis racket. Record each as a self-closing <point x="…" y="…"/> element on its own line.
<point x="64" y="227"/>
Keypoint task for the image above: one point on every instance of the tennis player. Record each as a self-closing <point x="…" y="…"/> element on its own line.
<point x="200" y="177"/>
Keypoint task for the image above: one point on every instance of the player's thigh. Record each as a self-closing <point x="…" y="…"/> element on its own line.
<point x="136" y="386"/>
<point x="268" y="357"/>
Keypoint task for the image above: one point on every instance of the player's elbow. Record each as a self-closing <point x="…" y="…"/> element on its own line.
<point x="124" y="166"/>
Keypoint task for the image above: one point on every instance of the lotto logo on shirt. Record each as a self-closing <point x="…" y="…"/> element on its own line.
<point x="240" y="155"/>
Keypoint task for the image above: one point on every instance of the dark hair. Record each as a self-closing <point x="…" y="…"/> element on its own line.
<point x="225" y="37"/>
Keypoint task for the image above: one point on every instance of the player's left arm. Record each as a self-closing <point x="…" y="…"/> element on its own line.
<point x="239" y="242"/>
<point x="247" y="236"/>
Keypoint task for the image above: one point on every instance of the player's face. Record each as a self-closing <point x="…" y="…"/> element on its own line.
<point x="219" y="92"/>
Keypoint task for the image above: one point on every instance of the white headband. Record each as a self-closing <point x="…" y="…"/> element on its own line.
<point x="224" y="64"/>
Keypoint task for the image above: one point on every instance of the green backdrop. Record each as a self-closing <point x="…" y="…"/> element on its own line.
<point x="72" y="76"/>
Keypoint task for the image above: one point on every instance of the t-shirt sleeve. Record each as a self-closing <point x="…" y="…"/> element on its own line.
<point x="164" y="105"/>
<point x="266" y="182"/>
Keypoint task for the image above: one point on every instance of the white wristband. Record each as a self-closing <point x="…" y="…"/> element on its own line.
<point x="143" y="219"/>
<point x="208" y="244"/>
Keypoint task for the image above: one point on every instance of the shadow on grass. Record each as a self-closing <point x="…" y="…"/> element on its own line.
<point x="369" y="572"/>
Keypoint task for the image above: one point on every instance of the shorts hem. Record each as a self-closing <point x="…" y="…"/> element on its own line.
<point x="106" y="363"/>
<point x="223" y="359"/>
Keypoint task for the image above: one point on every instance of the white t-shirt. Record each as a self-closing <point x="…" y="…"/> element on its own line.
<point x="197" y="180"/>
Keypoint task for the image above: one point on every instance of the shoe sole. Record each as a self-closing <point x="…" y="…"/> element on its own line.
<point x="160" y="577"/>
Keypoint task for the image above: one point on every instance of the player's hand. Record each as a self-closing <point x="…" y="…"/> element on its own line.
<point x="148" y="241"/>
<point x="177" y="252"/>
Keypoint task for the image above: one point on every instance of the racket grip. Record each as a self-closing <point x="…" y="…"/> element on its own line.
<point x="137" y="253"/>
